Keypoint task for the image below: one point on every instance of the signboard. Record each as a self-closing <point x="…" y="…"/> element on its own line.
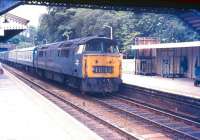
<point x="146" y="40"/>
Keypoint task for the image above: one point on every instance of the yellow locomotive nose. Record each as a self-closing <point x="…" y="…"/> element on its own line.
<point x="101" y="66"/>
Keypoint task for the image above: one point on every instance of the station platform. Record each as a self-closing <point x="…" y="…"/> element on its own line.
<point x="178" y="86"/>
<point x="27" y="115"/>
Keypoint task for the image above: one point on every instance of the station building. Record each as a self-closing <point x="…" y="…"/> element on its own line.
<point x="11" y="25"/>
<point x="167" y="59"/>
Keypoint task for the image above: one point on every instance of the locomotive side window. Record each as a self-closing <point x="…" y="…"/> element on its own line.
<point x="64" y="53"/>
<point x="50" y="53"/>
<point x="40" y="53"/>
<point x="58" y="52"/>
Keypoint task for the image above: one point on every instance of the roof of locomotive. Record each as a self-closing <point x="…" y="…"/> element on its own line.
<point x="86" y="39"/>
<point x="70" y="43"/>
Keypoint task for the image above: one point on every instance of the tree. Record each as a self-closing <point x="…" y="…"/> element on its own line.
<point x="61" y="22"/>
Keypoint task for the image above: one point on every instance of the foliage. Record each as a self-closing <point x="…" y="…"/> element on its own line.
<point x="25" y="39"/>
<point x="60" y="23"/>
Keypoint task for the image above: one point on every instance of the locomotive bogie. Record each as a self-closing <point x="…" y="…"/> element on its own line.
<point x="101" y="85"/>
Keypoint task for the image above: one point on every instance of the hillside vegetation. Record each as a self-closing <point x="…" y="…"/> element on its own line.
<point x="60" y="23"/>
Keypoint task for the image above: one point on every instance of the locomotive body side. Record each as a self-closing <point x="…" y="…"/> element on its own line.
<point x="92" y="64"/>
<point x="75" y="64"/>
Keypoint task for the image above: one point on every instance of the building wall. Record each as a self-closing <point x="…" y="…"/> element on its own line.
<point x="193" y="54"/>
<point x="168" y="61"/>
<point x="180" y="62"/>
<point x="128" y="66"/>
<point x="176" y="59"/>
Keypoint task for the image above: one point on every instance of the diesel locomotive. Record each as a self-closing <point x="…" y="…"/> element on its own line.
<point x="91" y="64"/>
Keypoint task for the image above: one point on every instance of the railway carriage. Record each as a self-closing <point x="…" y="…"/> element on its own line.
<point x="92" y="64"/>
<point x="25" y="56"/>
<point x="2" y="56"/>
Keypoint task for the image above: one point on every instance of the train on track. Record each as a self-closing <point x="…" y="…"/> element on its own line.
<point x="91" y="64"/>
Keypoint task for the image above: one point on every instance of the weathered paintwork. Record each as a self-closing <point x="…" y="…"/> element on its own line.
<point x="92" y="61"/>
<point x="79" y="62"/>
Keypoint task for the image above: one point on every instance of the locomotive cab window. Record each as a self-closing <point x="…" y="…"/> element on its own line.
<point x="101" y="46"/>
<point x="80" y="49"/>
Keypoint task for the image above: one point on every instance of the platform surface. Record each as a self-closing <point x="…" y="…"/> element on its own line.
<point x="179" y="86"/>
<point x="27" y="115"/>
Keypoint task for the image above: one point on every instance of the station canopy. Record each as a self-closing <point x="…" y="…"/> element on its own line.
<point x="11" y="25"/>
<point x="187" y="10"/>
<point x="167" y="45"/>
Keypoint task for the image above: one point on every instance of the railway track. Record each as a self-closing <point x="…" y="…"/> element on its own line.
<point x="179" y="105"/>
<point x="121" y="117"/>
<point x="167" y="122"/>
<point x="101" y="127"/>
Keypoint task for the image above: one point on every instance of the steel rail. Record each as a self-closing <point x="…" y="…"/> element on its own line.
<point x="121" y="131"/>
<point x="156" y="124"/>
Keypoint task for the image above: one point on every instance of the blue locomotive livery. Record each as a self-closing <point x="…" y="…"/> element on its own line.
<point x="92" y="64"/>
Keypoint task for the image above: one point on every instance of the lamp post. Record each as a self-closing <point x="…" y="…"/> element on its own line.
<point x="111" y="31"/>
